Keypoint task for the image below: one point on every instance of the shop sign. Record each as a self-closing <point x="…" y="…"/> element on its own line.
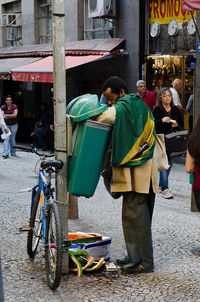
<point x="163" y="11"/>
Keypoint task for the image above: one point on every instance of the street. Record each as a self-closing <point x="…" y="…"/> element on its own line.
<point x="175" y="234"/>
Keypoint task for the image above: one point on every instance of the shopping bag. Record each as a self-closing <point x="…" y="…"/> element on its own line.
<point x="160" y="158"/>
<point x="176" y="142"/>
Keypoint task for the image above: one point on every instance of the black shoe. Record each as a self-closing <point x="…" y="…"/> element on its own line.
<point x="136" y="269"/>
<point x="5" y="156"/>
<point x="122" y="261"/>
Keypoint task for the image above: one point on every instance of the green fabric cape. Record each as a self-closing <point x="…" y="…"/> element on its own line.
<point x="133" y="133"/>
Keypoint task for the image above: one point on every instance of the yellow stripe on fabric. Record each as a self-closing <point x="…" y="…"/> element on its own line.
<point x="144" y="137"/>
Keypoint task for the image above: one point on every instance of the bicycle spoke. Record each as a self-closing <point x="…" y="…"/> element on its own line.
<point x="54" y="247"/>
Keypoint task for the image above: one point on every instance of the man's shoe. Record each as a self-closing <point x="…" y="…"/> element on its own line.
<point x="130" y="269"/>
<point x="5" y="156"/>
<point x="167" y="194"/>
<point x="145" y="270"/>
<point x="14" y="154"/>
<point x="136" y="269"/>
<point x="123" y="261"/>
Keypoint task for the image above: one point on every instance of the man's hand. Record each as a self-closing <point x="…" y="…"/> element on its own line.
<point x="6" y="130"/>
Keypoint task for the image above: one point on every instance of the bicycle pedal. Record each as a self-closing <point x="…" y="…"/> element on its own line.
<point x="25" y="229"/>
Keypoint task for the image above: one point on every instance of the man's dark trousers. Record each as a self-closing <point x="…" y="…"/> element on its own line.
<point x="137" y="214"/>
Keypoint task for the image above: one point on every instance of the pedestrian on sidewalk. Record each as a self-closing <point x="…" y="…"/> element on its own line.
<point x="2" y="123"/>
<point x="167" y="118"/>
<point x="10" y="112"/>
<point x="148" y="96"/>
<point x="41" y="131"/>
<point x="175" y="90"/>
<point x="133" y="173"/>
<point x="190" y="110"/>
<point x="192" y="164"/>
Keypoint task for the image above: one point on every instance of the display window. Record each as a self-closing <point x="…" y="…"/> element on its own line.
<point x="161" y="71"/>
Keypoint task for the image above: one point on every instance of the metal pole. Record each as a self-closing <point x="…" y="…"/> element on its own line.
<point x="1" y="283"/>
<point x="197" y="76"/>
<point x="59" y="85"/>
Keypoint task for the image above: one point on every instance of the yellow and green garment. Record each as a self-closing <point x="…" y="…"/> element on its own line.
<point x="134" y="132"/>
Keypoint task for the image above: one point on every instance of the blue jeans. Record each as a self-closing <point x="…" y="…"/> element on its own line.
<point x="9" y="142"/>
<point x="164" y="176"/>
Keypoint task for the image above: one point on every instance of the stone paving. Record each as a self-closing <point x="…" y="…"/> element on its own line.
<point x="175" y="233"/>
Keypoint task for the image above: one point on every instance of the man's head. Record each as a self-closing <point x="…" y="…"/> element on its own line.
<point x="114" y="88"/>
<point x="177" y="84"/>
<point x="141" y="87"/>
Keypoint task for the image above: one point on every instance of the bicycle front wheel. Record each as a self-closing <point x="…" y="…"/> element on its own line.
<point x="54" y="247"/>
<point x="35" y="223"/>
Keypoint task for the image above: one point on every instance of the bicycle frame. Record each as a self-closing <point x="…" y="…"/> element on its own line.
<point x="44" y="186"/>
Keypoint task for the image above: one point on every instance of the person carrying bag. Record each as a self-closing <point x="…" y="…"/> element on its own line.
<point x="168" y="119"/>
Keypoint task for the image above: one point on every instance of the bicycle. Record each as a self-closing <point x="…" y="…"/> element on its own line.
<point x="45" y="220"/>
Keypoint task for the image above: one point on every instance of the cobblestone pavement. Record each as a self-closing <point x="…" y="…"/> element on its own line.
<point x="175" y="233"/>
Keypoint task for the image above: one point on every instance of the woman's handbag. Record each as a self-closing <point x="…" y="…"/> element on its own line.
<point x="160" y="156"/>
<point x="176" y="142"/>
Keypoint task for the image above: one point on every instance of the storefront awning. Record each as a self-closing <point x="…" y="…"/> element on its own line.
<point x="81" y="47"/>
<point x="42" y="70"/>
<point x="7" y="64"/>
<point x="190" y="4"/>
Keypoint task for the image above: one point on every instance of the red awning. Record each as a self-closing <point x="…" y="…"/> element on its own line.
<point x="42" y="70"/>
<point x="190" y="4"/>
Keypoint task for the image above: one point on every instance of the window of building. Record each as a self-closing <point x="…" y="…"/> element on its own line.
<point x="45" y="21"/>
<point x="11" y="24"/>
<point x="99" y="27"/>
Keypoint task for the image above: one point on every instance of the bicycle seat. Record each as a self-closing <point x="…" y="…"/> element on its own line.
<point x="51" y="163"/>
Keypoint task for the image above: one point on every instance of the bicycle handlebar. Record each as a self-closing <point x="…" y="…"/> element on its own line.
<point x="33" y="149"/>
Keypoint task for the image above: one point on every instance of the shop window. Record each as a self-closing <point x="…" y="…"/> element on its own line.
<point x="98" y="28"/>
<point x="45" y="21"/>
<point x="161" y="71"/>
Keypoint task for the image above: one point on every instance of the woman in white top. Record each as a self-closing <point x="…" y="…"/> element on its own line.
<point x="2" y="123"/>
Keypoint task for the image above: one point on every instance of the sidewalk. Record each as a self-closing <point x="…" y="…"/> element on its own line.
<point x="175" y="234"/>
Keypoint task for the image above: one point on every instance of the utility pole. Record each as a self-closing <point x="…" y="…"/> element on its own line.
<point x="197" y="74"/>
<point x="196" y="105"/>
<point x="59" y="85"/>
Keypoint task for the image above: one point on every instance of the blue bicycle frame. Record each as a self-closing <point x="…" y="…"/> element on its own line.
<point x="43" y="184"/>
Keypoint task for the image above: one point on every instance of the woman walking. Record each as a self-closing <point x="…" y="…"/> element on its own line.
<point x="167" y="118"/>
<point x="10" y="112"/>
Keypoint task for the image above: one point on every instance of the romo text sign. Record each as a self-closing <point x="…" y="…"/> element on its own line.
<point x="165" y="10"/>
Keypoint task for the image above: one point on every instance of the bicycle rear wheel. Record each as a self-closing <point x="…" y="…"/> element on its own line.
<point x="54" y="247"/>
<point x="35" y="223"/>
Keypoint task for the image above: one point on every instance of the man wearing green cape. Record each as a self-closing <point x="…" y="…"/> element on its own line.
<point x="133" y="174"/>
